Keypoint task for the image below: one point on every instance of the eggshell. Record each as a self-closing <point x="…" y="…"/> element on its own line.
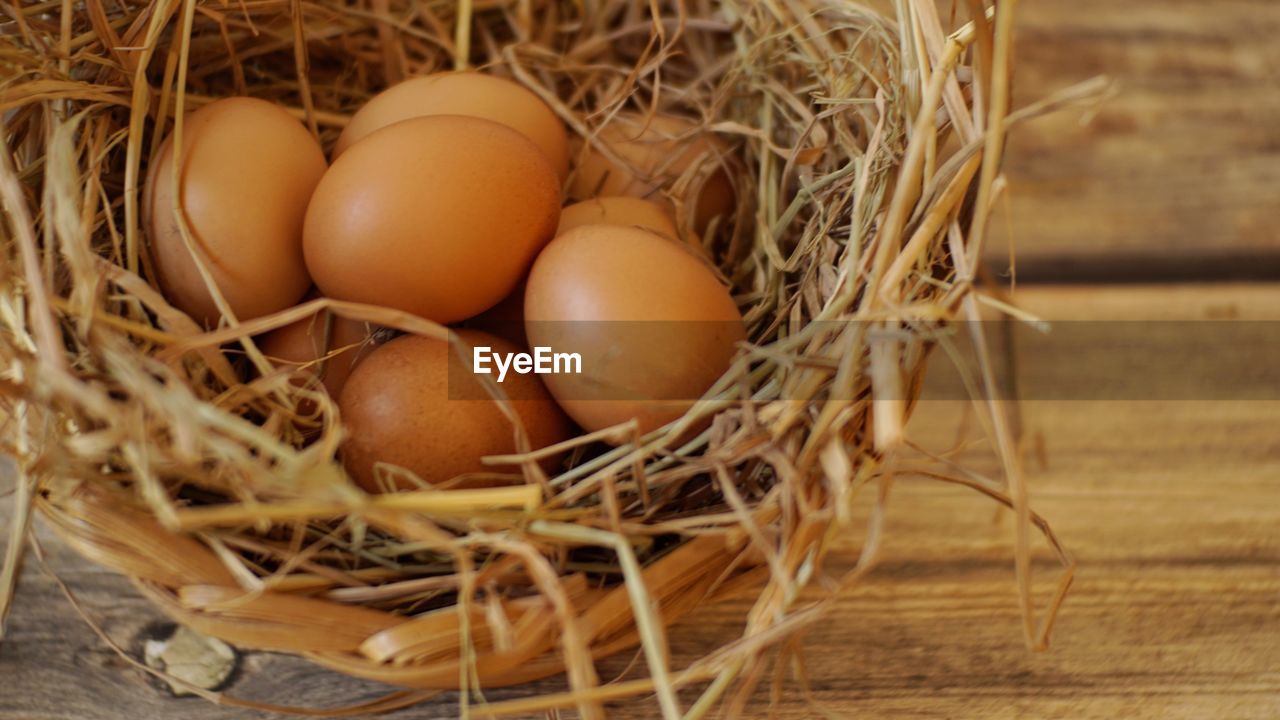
<point x="656" y="153"/>
<point x="653" y="326"/>
<point x="464" y="93"/>
<point x="398" y="409"/>
<point x="248" y="169"/>
<point x="439" y="216"/>
<point x="301" y="344"/>
<point x="618" y="210"/>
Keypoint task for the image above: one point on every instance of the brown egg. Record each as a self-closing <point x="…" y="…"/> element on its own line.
<point x="301" y="344"/>
<point x="464" y="93"/>
<point x="653" y="326"/>
<point x="656" y="155"/>
<point x="248" y="169"/>
<point x="439" y="216"/>
<point x="413" y="403"/>
<point x="618" y="210"/>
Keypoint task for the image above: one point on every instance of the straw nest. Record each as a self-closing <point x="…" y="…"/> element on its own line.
<point x="865" y="152"/>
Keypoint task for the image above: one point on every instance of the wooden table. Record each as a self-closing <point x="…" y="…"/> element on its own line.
<point x="1177" y="177"/>
<point x="1171" y="508"/>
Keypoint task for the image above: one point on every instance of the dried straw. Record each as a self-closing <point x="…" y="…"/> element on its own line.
<point x="865" y="151"/>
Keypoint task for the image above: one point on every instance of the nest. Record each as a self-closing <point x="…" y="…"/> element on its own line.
<point x="864" y="151"/>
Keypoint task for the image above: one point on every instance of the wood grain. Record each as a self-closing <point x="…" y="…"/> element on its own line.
<point x="1178" y="176"/>
<point x="1171" y="508"/>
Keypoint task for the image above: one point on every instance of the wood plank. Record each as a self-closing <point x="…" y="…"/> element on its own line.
<point x="1178" y="176"/>
<point x="1171" y="508"/>
<point x="1154" y="302"/>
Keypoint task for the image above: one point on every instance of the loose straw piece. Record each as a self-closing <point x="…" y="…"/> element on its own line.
<point x="463" y="503"/>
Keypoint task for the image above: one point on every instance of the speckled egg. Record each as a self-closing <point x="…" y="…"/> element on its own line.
<point x="398" y="408"/>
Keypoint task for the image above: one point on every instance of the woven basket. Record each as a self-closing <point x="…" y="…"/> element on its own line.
<point x="863" y="151"/>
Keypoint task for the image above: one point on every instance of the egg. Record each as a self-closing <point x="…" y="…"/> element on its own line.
<point x="652" y="324"/>
<point x="656" y="153"/>
<point x="248" y="170"/>
<point x="439" y="216"/>
<point x="618" y="210"/>
<point x="300" y="345"/>
<point x="464" y="93"/>
<point x="413" y="403"/>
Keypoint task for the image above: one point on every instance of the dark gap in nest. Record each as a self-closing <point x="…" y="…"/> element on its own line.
<point x="601" y="567"/>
